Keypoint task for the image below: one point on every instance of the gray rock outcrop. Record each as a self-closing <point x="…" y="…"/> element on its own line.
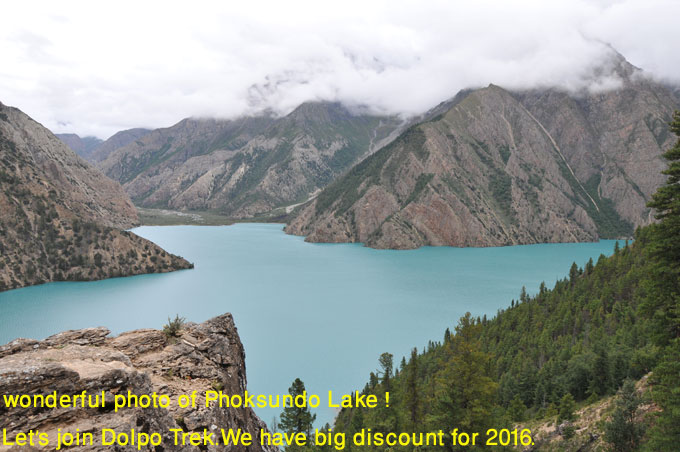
<point x="203" y="357"/>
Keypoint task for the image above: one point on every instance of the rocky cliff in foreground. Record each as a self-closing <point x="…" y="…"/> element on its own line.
<point x="204" y="356"/>
<point x="60" y="218"/>
<point x="494" y="167"/>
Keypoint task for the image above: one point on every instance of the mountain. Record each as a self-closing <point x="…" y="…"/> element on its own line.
<point x="81" y="146"/>
<point x="95" y="150"/>
<point x="610" y="327"/>
<point x="493" y="167"/>
<point x="118" y="140"/>
<point x="60" y="218"/>
<point x="200" y="357"/>
<point x="247" y="166"/>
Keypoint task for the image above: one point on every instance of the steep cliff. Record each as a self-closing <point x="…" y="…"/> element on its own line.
<point x="247" y="166"/>
<point x="203" y="357"/>
<point x="494" y="167"/>
<point x="60" y="218"/>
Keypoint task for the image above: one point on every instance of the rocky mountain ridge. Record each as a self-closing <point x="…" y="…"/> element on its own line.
<point x="248" y="166"/>
<point x="60" y="218"/>
<point x="83" y="146"/>
<point x="202" y="357"/>
<point x="95" y="150"/>
<point x="495" y="167"/>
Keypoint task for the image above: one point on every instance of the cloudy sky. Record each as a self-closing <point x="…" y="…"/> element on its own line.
<point x="93" y="69"/>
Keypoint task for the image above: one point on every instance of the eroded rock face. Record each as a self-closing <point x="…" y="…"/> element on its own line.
<point x="34" y="156"/>
<point x="205" y="356"/>
<point x="494" y="167"/>
<point x="60" y="218"/>
<point x="247" y="166"/>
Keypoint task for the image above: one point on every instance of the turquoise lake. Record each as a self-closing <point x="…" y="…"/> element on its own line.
<point x="320" y="312"/>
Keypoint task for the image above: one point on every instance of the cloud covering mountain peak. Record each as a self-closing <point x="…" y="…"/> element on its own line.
<point x="94" y="70"/>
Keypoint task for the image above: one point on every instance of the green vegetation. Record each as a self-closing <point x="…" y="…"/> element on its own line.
<point x="590" y="337"/>
<point x="162" y="217"/>
<point x="609" y="222"/>
<point x="133" y="166"/>
<point x="543" y="355"/>
<point x="296" y="419"/>
<point x="662" y="302"/>
<point x="421" y="183"/>
<point x="504" y="152"/>
<point x="623" y="431"/>
<point x="348" y="189"/>
<point x="500" y="187"/>
<point x="174" y="326"/>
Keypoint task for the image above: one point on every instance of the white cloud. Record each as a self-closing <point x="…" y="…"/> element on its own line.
<point x="94" y="69"/>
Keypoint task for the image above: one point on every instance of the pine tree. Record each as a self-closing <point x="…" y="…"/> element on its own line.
<point x="297" y="419"/>
<point x="326" y="429"/>
<point x="465" y="391"/>
<point x="412" y="394"/>
<point x="589" y="266"/>
<point x="523" y="296"/>
<point x="665" y="435"/>
<point x="600" y="380"/>
<point x="517" y="409"/>
<point x="566" y="409"/>
<point x="622" y="431"/>
<point x="574" y="272"/>
<point x="372" y="380"/>
<point x="385" y="361"/>
<point x="663" y="301"/>
<point x="386" y="419"/>
<point x="664" y="297"/>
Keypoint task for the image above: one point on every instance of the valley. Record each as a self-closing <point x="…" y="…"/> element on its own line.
<point x="438" y="226"/>
<point x="488" y="167"/>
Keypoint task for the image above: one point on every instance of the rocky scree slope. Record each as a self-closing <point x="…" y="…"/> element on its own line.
<point x="495" y="167"/>
<point x="203" y="357"/>
<point x="60" y="218"/>
<point x="248" y="166"/>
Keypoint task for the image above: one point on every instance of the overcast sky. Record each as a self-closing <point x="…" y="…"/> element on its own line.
<point x="85" y="68"/>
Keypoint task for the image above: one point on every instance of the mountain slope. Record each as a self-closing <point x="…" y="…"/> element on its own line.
<point x="95" y="150"/>
<point x="596" y="332"/>
<point x="246" y="166"/>
<point x="60" y="219"/>
<point x="118" y="140"/>
<point x="613" y="140"/>
<point x="501" y="168"/>
<point x="84" y="147"/>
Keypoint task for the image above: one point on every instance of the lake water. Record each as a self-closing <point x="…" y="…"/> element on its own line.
<point x="320" y="312"/>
